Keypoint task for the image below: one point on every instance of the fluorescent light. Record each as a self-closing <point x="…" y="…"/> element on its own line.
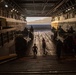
<point x="13" y="9"/>
<point x="6" y="6"/>
<point x="17" y="11"/>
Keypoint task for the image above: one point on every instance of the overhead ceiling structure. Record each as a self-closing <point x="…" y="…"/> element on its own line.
<point x="39" y="7"/>
<point x="32" y="8"/>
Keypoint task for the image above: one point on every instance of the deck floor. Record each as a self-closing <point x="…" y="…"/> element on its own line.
<point x="43" y="64"/>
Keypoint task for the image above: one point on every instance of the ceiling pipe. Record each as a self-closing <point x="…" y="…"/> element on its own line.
<point x="45" y="4"/>
<point x="57" y="6"/>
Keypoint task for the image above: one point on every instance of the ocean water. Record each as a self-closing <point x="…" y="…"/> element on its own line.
<point x="40" y="26"/>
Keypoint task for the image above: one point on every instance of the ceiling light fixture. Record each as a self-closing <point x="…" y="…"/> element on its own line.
<point x="6" y="5"/>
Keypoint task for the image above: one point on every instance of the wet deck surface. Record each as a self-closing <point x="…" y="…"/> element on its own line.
<point x="50" y="48"/>
<point x="43" y="64"/>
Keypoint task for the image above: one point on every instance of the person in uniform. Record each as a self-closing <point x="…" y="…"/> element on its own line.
<point x="34" y="49"/>
<point x="44" y="46"/>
